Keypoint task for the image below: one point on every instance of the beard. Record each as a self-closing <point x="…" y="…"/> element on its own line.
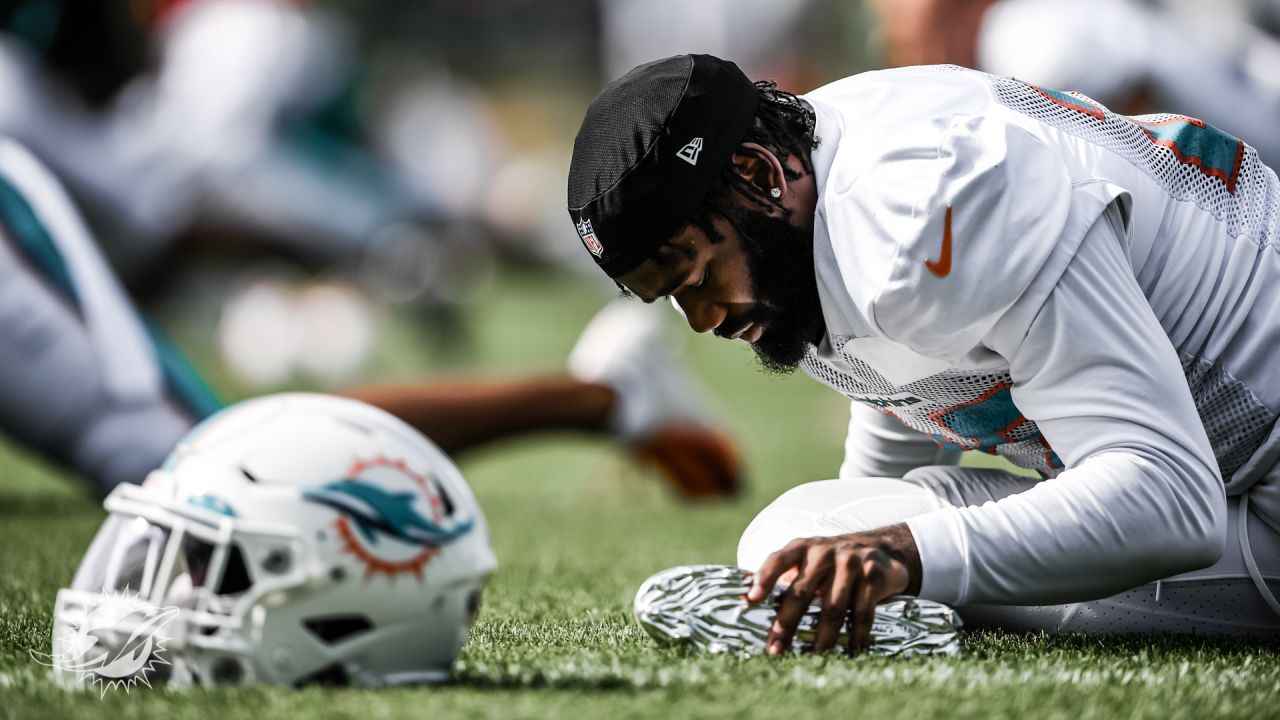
<point x="785" y="286"/>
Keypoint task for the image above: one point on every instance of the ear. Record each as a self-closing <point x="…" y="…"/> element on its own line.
<point x="761" y="169"/>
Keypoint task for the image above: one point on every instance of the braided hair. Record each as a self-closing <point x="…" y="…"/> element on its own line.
<point x="785" y="127"/>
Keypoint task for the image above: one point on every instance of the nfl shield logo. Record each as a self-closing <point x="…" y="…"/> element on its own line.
<point x="589" y="238"/>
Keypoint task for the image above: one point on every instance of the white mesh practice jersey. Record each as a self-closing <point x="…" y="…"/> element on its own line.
<point x="952" y="209"/>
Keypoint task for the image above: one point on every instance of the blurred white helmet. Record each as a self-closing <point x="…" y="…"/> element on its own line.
<point x="290" y="539"/>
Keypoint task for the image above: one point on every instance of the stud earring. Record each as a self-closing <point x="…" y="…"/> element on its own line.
<point x="775" y="193"/>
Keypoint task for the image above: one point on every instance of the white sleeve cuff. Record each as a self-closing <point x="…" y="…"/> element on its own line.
<point x="944" y="555"/>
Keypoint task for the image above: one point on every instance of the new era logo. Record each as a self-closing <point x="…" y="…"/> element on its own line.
<point x="689" y="153"/>
<point x="589" y="238"/>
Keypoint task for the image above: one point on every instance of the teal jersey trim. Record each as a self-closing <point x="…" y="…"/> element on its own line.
<point x="180" y="378"/>
<point x="1199" y="144"/>
<point x="36" y="22"/>
<point x="34" y="240"/>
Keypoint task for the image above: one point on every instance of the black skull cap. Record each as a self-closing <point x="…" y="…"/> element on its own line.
<point x="650" y="149"/>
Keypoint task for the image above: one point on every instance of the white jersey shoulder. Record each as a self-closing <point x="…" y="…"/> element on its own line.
<point x="944" y="191"/>
<point x="938" y="207"/>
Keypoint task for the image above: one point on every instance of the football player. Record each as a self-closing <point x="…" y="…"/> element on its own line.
<point x="85" y="380"/>
<point x="977" y="263"/>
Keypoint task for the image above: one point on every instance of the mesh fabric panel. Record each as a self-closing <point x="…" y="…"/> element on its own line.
<point x="1233" y="417"/>
<point x="940" y="397"/>
<point x="1249" y="208"/>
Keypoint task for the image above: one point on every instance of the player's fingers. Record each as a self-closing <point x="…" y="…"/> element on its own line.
<point x="863" y="613"/>
<point x="855" y="592"/>
<point x="791" y="609"/>
<point x="835" y="606"/>
<point x="774" y="566"/>
<point x="815" y="572"/>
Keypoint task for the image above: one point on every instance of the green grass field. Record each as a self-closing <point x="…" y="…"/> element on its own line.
<point x="576" y="529"/>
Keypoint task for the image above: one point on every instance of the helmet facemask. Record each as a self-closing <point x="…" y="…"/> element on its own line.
<point x="178" y="587"/>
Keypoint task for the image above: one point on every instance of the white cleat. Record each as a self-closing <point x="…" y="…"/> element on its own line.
<point x="705" y="606"/>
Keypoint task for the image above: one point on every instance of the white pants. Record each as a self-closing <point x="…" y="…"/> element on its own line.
<point x="1221" y="599"/>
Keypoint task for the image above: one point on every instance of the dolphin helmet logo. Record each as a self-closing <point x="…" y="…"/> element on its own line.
<point x="391" y="518"/>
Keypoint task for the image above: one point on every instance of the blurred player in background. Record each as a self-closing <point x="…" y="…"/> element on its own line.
<point x="1215" y="61"/>
<point x="86" y="381"/>
<point x="247" y="120"/>
<point x="976" y="263"/>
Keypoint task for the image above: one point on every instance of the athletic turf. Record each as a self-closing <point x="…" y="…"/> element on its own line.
<point x="576" y="530"/>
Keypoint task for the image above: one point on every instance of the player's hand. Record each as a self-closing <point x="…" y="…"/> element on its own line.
<point x="699" y="462"/>
<point x="849" y="574"/>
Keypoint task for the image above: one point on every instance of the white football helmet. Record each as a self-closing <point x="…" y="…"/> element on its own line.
<point x="289" y="539"/>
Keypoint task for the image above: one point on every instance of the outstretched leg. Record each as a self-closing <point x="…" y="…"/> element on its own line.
<point x="625" y="383"/>
<point x="461" y="414"/>
<point x="82" y="378"/>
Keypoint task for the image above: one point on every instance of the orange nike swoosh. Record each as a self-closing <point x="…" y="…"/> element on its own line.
<point x="942" y="267"/>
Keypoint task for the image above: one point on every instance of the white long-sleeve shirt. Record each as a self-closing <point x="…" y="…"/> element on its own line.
<point x="1009" y="268"/>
